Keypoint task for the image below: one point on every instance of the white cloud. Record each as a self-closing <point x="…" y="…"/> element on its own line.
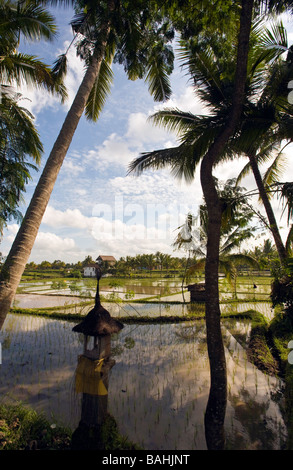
<point x="72" y="168"/>
<point x="187" y="101"/>
<point x="120" y="228"/>
<point x="113" y="150"/>
<point x="48" y="242"/>
<point x="69" y="218"/>
<point x="142" y="132"/>
<point x="157" y="186"/>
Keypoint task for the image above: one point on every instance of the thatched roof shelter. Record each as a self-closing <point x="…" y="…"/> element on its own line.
<point x="197" y="292"/>
<point x="98" y="322"/>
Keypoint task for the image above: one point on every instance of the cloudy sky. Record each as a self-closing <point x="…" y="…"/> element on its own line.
<point x="96" y="207"/>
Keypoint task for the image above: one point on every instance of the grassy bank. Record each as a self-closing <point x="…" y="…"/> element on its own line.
<point x="22" y="428"/>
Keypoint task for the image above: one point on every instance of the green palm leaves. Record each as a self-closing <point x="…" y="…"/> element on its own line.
<point x="213" y="82"/>
<point x="266" y="120"/>
<point x="30" y="21"/>
<point x="19" y="140"/>
<point x="236" y="229"/>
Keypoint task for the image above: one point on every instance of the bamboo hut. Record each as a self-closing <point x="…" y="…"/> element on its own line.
<point x="197" y="292"/>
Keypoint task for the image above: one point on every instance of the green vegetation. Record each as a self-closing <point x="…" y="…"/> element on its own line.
<point x="20" y="144"/>
<point x="22" y="428"/>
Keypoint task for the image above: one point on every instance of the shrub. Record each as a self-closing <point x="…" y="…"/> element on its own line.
<point x="22" y="428"/>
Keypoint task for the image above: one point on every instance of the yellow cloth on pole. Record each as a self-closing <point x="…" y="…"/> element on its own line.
<point x="88" y="377"/>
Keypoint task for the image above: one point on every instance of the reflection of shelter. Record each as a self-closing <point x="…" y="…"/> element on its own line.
<point x="197" y="292"/>
<point x="92" y="373"/>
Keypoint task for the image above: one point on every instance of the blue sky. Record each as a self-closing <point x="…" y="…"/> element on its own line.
<point x="95" y="207"/>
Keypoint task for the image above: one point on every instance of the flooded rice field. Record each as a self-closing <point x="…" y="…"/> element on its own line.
<point x="146" y="289"/>
<point x="158" y="387"/>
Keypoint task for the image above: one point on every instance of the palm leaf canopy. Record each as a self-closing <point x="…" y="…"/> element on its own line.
<point x="19" y="141"/>
<point x="31" y="21"/>
<point x="28" y="19"/>
<point x="213" y="80"/>
<point x="139" y="40"/>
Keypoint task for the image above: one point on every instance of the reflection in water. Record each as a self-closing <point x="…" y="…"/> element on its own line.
<point x="92" y="380"/>
<point x="217" y="401"/>
<point x="161" y="379"/>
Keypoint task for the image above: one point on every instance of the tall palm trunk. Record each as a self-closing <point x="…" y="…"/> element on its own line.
<point x="216" y="407"/>
<point x="18" y="256"/>
<point x="268" y="208"/>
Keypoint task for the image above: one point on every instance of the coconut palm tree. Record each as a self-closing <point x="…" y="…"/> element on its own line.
<point x="265" y="123"/>
<point x="235" y="230"/>
<point x="205" y="139"/>
<point x="269" y="124"/>
<point x="136" y="36"/>
<point x="30" y="21"/>
<point x="19" y="140"/>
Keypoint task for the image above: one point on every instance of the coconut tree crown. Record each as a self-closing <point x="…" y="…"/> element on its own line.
<point x="139" y="39"/>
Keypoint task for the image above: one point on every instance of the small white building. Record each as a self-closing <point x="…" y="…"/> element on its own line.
<point x="90" y="270"/>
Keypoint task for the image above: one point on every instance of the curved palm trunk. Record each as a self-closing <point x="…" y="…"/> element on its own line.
<point x="20" y="251"/>
<point x="216" y="406"/>
<point x="268" y="208"/>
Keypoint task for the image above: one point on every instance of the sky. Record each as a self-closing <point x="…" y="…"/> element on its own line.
<point x="96" y="207"/>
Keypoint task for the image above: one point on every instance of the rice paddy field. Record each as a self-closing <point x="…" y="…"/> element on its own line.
<point x="159" y="384"/>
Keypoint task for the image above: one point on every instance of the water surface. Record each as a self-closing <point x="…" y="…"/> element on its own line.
<point x="158" y="388"/>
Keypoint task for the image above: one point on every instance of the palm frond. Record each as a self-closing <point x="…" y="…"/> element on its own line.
<point x="174" y="120"/>
<point x="17" y="128"/>
<point x="286" y="195"/>
<point x="265" y="153"/>
<point x="157" y="159"/>
<point x="205" y="73"/>
<point x="158" y="80"/>
<point x="59" y="69"/>
<point x="197" y="267"/>
<point x="24" y="68"/>
<point x="234" y="240"/>
<point x="30" y="20"/>
<point x="289" y="241"/>
<point x="243" y="173"/>
<point x="273" y="41"/>
<point x="275" y="170"/>
<point x="241" y="259"/>
<point x="99" y="92"/>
